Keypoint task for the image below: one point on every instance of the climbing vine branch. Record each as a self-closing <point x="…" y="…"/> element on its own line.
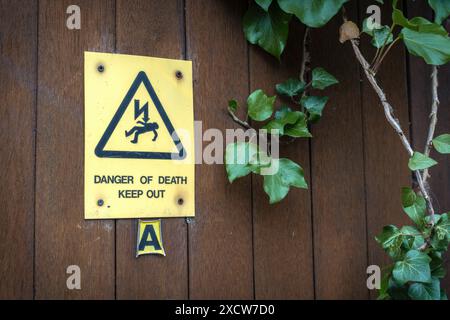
<point x="392" y="120"/>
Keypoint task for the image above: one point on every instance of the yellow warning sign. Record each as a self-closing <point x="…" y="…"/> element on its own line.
<point x="139" y="137"/>
<point x="149" y="238"/>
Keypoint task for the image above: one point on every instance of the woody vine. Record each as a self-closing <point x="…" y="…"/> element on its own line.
<point x="416" y="250"/>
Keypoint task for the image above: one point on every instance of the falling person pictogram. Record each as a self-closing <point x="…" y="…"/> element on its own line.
<point x="144" y="125"/>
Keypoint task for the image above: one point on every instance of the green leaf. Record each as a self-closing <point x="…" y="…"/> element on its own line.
<point x="233" y="105"/>
<point x="396" y="291"/>
<point x="237" y="159"/>
<point x="391" y="240"/>
<point x="321" y="79"/>
<point x="419" y="161"/>
<point x="313" y="13"/>
<point x="265" y="4"/>
<point x="283" y="117"/>
<point x="433" y="48"/>
<point x="382" y="36"/>
<point x="413" y="239"/>
<point x="299" y="129"/>
<point x="437" y="265"/>
<point x="314" y="105"/>
<point x="291" y="87"/>
<point x="399" y="18"/>
<point x="414" y="267"/>
<point x="408" y="197"/>
<point x="442" y="227"/>
<point x="425" y="291"/>
<point x="260" y="106"/>
<point x="414" y="206"/>
<point x="384" y="284"/>
<point x="289" y="174"/>
<point x="423" y="25"/>
<point x="268" y="29"/>
<point x="442" y="143"/>
<point x="441" y="9"/>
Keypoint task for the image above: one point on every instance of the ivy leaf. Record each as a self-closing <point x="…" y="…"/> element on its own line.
<point x="419" y="161"/>
<point x="260" y="106"/>
<point x="314" y="105"/>
<point x="289" y="174"/>
<point x="414" y="206"/>
<point x="399" y="18"/>
<point x="425" y="291"/>
<point x="442" y="228"/>
<point x="408" y="197"/>
<point x="299" y="129"/>
<point x="384" y="285"/>
<point x="382" y="36"/>
<point x="442" y="143"/>
<point x="413" y="238"/>
<point x="396" y="291"/>
<point x="433" y="48"/>
<point x="423" y="25"/>
<point x="237" y="159"/>
<point x="391" y="240"/>
<point x="283" y="117"/>
<point x="441" y="9"/>
<point x="268" y="29"/>
<point x="313" y="13"/>
<point x="291" y="87"/>
<point x="414" y="267"/>
<point x="233" y="105"/>
<point x="321" y="79"/>
<point x="265" y="4"/>
<point x="369" y="28"/>
<point x="437" y="265"/>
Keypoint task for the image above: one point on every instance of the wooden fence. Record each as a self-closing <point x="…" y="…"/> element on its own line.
<point x="315" y="244"/>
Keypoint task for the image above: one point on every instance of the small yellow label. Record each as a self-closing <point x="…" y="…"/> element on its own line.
<point x="149" y="240"/>
<point x="139" y="137"/>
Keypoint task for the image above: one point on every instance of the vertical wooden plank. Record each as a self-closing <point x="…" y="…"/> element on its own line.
<point x="151" y="29"/>
<point x="63" y="237"/>
<point x="283" y="232"/>
<point x="420" y="104"/>
<point x="386" y="161"/>
<point x="337" y="172"/>
<point x="18" y="48"/>
<point x="220" y="237"/>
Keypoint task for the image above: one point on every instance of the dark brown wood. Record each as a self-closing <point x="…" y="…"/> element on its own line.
<point x="151" y="29"/>
<point x="220" y="237"/>
<point x="420" y="104"/>
<point x="18" y="48"/>
<point x="386" y="160"/>
<point x="282" y="233"/>
<point x="337" y="172"/>
<point x="63" y="237"/>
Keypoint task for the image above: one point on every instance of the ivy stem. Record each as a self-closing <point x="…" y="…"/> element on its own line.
<point x="378" y="64"/>
<point x="380" y="53"/>
<point x="306" y="58"/>
<point x="394" y="122"/>
<point x="237" y="120"/>
<point x="433" y="117"/>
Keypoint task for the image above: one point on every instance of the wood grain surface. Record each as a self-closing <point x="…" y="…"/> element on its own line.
<point x="317" y="243"/>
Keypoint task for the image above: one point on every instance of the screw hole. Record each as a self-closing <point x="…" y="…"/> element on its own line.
<point x="101" y="68"/>
<point x="100" y="202"/>
<point x="180" y="201"/>
<point x="179" y="74"/>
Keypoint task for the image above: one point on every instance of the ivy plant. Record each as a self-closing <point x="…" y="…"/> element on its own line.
<point x="416" y="250"/>
<point x="291" y="121"/>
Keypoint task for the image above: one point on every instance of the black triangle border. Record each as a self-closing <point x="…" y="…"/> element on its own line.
<point x="99" y="149"/>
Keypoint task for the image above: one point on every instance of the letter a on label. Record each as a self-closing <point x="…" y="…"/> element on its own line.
<point x="149" y="240"/>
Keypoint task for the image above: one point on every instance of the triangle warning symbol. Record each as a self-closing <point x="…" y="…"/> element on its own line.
<point x="142" y="126"/>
